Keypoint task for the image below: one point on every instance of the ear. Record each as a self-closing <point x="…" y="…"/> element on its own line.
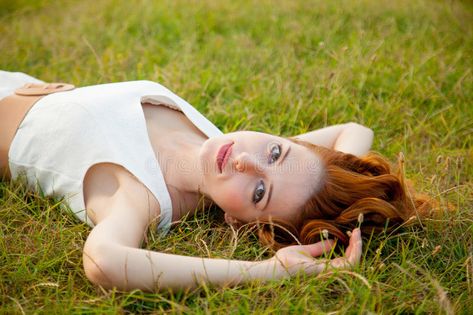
<point x="232" y="221"/>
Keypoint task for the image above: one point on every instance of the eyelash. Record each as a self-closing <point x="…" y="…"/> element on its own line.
<point x="260" y="185"/>
<point x="257" y="198"/>
<point x="270" y="160"/>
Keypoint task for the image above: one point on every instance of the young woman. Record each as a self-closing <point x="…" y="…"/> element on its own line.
<point x="126" y="154"/>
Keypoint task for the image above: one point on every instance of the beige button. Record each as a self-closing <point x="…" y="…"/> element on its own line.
<point x="35" y="89"/>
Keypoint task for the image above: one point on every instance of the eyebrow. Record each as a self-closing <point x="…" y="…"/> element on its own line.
<point x="271" y="184"/>
<point x="270" y="191"/>
<point x="285" y="155"/>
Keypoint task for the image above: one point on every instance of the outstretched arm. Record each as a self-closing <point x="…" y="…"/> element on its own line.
<point x="349" y="138"/>
<point x="112" y="257"/>
<point x="113" y="263"/>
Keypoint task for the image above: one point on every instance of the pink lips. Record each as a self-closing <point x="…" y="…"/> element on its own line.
<point x="223" y="155"/>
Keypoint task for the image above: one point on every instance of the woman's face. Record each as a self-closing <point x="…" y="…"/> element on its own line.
<point x="252" y="175"/>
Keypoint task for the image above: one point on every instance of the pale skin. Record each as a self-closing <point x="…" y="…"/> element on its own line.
<point x="122" y="208"/>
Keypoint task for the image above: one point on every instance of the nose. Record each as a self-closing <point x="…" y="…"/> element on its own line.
<point x="247" y="163"/>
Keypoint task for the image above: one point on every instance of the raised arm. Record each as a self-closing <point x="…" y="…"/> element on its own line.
<point x="349" y="138"/>
<point x="112" y="257"/>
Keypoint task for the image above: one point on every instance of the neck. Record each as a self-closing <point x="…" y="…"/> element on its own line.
<point x="186" y="203"/>
<point x="183" y="172"/>
<point x="180" y="163"/>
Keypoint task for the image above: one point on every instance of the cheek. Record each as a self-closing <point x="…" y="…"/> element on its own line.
<point x="231" y="197"/>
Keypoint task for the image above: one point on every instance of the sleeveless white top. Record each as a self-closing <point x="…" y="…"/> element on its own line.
<point x="66" y="133"/>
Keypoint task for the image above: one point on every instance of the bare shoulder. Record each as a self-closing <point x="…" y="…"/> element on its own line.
<point x="108" y="184"/>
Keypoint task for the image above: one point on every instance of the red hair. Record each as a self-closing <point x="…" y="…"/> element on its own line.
<point x="353" y="189"/>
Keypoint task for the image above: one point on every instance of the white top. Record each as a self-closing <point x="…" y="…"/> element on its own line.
<point x="66" y="133"/>
<point x="10" y="81"/>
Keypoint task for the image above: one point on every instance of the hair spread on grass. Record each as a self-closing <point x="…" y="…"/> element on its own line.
<point x="354" y="189"/>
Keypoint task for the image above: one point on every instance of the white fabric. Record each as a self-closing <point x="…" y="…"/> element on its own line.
<point x="65" y="133"/>
<point x="10" y="81"/>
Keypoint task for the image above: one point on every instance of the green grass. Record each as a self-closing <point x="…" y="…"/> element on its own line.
<point x="403" y="68"/>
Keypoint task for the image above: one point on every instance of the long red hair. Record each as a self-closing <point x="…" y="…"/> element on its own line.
<point x="354" y="189"/>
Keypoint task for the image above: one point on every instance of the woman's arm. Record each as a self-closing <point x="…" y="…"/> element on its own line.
<point x="112" y="257"/>
<point x="349" y="138"/>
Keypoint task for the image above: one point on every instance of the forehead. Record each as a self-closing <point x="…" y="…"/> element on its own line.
<point x="297" y="177"/>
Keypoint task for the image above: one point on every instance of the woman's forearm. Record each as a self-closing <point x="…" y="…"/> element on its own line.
<point x="349" y="138"/>
<point x="130" y="268"/>
<point x="354" y="139"/>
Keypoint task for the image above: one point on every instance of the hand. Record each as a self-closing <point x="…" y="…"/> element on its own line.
<point x="293" y="259"/>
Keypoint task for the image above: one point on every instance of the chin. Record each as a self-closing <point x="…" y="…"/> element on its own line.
<point x="205" y="150"/>
<point x="207" y="155"/>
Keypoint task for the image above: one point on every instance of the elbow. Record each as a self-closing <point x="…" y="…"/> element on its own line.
<point x="366" y="132"/>
<point x="98" y="265"/>
<point x="356" y="139"/>
<point x="354" y="125"/>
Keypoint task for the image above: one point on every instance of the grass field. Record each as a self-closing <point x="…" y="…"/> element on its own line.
<point x="404" y="68"/>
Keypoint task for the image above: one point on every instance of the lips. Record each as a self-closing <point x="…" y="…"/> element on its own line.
<point x="223" y="155"/>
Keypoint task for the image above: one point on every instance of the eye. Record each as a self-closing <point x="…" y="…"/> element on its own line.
<point x="275" y="153"/>
<point x="259" y="192"/>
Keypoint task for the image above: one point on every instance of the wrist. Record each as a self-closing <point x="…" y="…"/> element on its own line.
<point x="265" y="270"/>
<point x="275" y="269"/>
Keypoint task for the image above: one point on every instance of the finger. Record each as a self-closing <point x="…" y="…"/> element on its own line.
<point x="353" y="253"/>
<point x="354" y="234"/>
<point x="348" y="250"/>
<point x="319" y="248"/>
<point x="356" y="245"/>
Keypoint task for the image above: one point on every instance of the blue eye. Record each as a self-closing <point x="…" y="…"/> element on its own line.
<point x="275" y="153"/>
<point x="259" y="192"/>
